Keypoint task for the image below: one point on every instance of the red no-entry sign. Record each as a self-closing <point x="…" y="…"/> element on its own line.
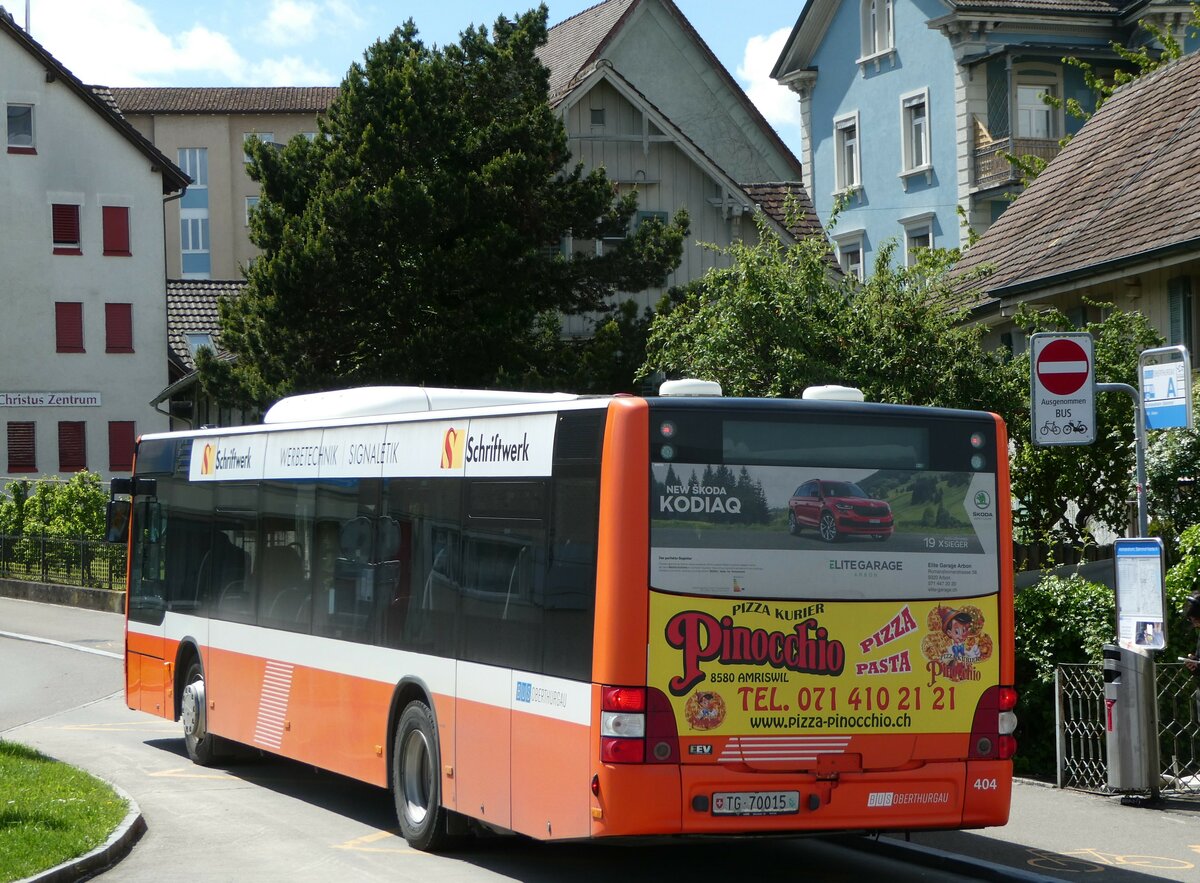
<point x="1062" y="387"/>
<point x="1063" y="367"/>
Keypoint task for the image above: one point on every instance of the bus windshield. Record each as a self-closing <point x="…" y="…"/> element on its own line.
<point x="792" y="506"/>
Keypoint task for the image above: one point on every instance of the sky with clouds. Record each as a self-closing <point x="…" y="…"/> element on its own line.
<point x="313" y="42"/>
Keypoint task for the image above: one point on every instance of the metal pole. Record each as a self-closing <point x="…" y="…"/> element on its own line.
<point x="1139" y="443"/>
<point x="1139" y="440"/>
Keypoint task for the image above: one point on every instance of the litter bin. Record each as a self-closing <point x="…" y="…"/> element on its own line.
<point x="1130" y="719"/>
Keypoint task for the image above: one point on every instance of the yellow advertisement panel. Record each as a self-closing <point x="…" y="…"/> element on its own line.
<point x="734" y="667"/>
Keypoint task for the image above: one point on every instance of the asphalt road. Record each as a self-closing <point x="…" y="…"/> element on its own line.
<point x="268" y="819"/>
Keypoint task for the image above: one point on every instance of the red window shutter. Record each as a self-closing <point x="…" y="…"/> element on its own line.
<point x="21" y="450"/>
<point x="68" y="327"/>
<point x="72" y="446"/>
<point x="120" y="445"/>
<point x="116" y="230"/>
<point x="66" y="229"/>
<point x="118" y="328"/>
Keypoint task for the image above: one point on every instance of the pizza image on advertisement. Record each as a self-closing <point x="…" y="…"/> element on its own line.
<point x="705" y="710"/>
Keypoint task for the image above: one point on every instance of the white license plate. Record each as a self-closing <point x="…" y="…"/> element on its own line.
<point x="755" y="803"/>
<point x="875" y="520"/>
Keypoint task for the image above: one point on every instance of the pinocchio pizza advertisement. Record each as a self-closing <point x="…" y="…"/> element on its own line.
<point x="740" y="667"/>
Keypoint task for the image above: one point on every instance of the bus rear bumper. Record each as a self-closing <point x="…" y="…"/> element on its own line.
<point x="933" y="796"/>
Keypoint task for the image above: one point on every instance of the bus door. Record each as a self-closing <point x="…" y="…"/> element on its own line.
<point x="146" y="676"/>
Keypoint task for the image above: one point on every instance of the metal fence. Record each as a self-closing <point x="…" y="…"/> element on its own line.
<point x="68" y="562"/>
<point x="1082" y="748"/>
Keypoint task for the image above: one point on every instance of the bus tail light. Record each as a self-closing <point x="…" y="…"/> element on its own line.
<point x="637" y="725"/>
<point x="994" y="725"/>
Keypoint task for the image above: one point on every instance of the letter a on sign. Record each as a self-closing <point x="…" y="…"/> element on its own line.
<point x="1062" y="388"/>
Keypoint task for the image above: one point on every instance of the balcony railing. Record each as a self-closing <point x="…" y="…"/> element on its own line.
<point x="991" y="169"/>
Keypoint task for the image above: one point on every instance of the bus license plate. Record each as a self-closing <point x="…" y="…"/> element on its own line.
<point x="755" y="803"/>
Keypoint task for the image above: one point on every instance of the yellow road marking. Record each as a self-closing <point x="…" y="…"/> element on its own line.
<point x="132" y="727"/>
<point x="361" y="844"/>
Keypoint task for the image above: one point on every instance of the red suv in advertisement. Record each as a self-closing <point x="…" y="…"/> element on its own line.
<point x="838" y="509"/>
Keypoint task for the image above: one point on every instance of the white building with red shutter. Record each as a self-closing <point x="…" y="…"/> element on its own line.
<point x="82" y="277"/>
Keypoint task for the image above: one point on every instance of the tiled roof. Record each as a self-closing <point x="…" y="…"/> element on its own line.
<point x="771" y="198"/>
<point x="1088" y="7"/>
<point x="252" y="99"/>
<point x="173" y="177"/>
<point x="1124" y="190"/>
<point x="192" y="309"/>
<point x="572" y="44"/>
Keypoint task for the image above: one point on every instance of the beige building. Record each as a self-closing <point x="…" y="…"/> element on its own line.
<point x="82" y="344"/>
<point x="204" y="131"/>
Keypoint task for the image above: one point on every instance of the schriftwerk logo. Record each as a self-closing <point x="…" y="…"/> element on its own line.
<point x="207" y="459"/>
<point x="453" y="443"/>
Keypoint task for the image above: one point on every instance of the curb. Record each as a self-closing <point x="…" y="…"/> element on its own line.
<point x="118" y="845"/>
<point x="938" y="859"/>
<point x="105" y="600"/>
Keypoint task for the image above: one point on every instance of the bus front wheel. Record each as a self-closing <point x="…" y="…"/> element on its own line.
<point x="202" y="746"/>
<point x="416" y="780"/>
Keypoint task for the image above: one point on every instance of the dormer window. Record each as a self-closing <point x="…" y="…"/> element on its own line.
<point x="877" y="31"/>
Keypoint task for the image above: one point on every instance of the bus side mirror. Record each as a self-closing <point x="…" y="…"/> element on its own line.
<point x="116" y="528"/>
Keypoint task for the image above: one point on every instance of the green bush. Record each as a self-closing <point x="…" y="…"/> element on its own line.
<point x="1068" y="620"/>
<point x="53" y="507"/>
<point x="1058" y="620"/>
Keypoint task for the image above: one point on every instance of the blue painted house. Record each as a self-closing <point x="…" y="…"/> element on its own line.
<point x="908" y="106"/>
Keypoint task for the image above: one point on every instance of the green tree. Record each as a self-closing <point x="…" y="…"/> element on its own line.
<point x="415" y="240"/>
<point x="1173" y="455"/>
<point x="1064" y="493"/>
<point x="779" y="320"/>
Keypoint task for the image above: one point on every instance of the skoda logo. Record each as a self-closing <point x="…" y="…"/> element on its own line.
<point x="982" y="500"/>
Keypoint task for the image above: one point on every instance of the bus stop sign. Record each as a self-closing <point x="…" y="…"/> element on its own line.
<point x="1062" y="388"/>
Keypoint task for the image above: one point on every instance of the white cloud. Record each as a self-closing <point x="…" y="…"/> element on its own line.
<point x="777" y="103"/>
<point x="117" y="43"/>
<point x="290" y="22"/>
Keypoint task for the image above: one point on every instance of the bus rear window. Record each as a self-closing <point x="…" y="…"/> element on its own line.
<point x="798" y="503"/>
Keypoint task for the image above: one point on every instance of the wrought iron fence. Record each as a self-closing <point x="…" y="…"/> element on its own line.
<point x="68" y="562"/>
<point x="1081" y="724"/>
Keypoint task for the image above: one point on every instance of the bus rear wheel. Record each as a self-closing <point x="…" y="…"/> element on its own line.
<point x="202" y="746"/>
<point x="417" y="780"/>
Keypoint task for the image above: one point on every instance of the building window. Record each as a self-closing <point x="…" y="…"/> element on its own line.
<point x="120" y="445"/>
<point x="597" y="116"/>
<point x="72" y="446"/>
<point x="65" y="220"/>
<point x="264" y="137"/>
<point x="21" y="449"/>
<point x="850" y="255"/>
<point x="193" y="244"/>
<point x="197" y="339"/>
<point x="116" y="230"/>
<point x="118" y="328"/>
<point x="914" y="110"/>
<point x="918" y="235"/>
<point x="846" y="160"/>
<point x="251" y="204"/>
<point x="877" y="27"/>
<point x="194" y="162"/>
<point x="20" y="128"/>
<point x="1035" y="118"/>
<point x="68" y="327"/>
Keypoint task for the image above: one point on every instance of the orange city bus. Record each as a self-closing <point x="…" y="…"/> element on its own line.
<point x="581" y="617"/>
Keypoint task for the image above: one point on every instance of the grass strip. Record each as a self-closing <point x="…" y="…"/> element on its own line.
<point x="49" y="812"/>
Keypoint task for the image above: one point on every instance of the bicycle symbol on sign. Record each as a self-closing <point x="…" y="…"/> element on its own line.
<point x="1052" y="428"/>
